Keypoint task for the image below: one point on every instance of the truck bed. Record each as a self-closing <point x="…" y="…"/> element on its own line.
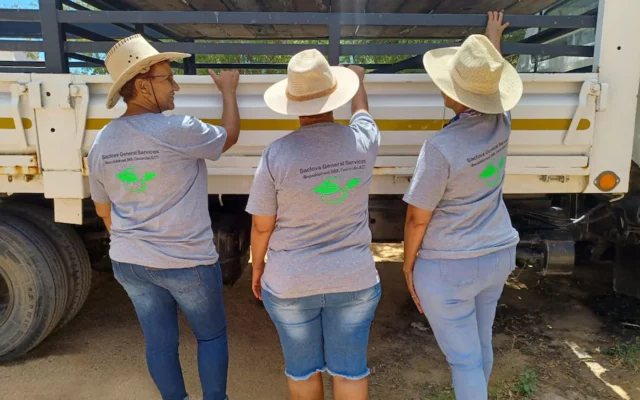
<point x="408" y="108"/>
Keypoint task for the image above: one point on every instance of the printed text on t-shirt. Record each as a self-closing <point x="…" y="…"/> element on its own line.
<point x="130" y="156"/>
<point x="487" y="154"/>
<point x="333" y="168"/>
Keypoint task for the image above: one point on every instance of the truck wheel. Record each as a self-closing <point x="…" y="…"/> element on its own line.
<point x="232" y="236"/>
<point x="33" y="288"/>
<point x="70" y="249"/>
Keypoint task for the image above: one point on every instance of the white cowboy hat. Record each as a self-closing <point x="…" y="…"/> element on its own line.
<point x="130" y="57"/>
<point x="312" y="86"/>
<point x="475" y="75"/>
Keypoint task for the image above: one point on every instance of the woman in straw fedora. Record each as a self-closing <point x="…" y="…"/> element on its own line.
<point x="149" y="184"/>
<point x="468" y="251"/>
<point x="309" y="202"/>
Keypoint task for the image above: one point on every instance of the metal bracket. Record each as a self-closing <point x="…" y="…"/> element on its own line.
<point x="554" y="178"/>
<point x="35" y="95"/>
<point x="603" y="99"/>
<point x="589" y="88"/>
<point x="18" y="90"/>
<point x="79" y="93"/>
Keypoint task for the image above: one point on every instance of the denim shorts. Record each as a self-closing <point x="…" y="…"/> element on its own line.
<point x="325" y="332"/>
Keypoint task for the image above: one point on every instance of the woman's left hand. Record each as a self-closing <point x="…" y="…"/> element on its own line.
<point x="255" y="282"/>
<point x="495" y="28"/>
<point x="408" y="276"/>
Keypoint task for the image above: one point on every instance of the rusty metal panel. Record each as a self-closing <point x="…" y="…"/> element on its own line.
<point x="19" y="165"/>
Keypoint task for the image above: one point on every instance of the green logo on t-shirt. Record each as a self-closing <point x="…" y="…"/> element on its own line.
<point x="492" y="174"/>
<point x="132" y="182"/>
<point x="329" y="189"/>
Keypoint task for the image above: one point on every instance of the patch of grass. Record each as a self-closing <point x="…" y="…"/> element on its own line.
<point x="527" y="384"/>
<point x="627" y="354"/>
<point x="500" y="391"/>
<point x="438" y="392"/>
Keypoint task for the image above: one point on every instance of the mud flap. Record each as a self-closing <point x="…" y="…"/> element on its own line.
<point x="232" y="234"/>
<point x="626" y="273"/>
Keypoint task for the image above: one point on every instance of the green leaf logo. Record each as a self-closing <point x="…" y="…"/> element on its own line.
<point x="149" y="176"/>
<point x="329" y="188"/>
<point x="492" y="174"/>
<point x="132" y="182"/>
<point x="128" y="176"/>
<point x="352" y="183"/>
<point x="489" y="172"/>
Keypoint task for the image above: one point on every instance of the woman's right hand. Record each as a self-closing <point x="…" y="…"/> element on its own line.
<point x="256" y="277"/>
<point x="226" y="81"/>
<point x="358" y="70"/>
<point x="408" y="276"/>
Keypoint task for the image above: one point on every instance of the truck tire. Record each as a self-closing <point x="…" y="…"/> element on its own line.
<point x="34" y="291"/>
<point x="232" y="236"/>
<point x="70" y="249"/>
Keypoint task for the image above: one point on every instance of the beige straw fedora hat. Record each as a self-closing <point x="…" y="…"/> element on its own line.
<point x="130" y="57"/>
<point x="312" y="86"/>
<point x="475" y="75"/>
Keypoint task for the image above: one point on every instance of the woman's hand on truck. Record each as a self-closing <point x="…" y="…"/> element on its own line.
<point x="360" y="101"/>
<point x="226" y="81"/>
<point x="358" y="70"/>
<point x="495" y="28"/>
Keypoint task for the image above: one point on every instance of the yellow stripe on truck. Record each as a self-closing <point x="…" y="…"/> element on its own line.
<point x="383" y="124"/>
<point x="8" y="123"/>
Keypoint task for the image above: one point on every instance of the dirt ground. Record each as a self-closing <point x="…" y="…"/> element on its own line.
<point x="543" y="328"/>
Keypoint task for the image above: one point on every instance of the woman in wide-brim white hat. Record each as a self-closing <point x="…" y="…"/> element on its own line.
<point x="309" y="202"/>
<point x="148" y="181"/>
<point x="456" y="269"/>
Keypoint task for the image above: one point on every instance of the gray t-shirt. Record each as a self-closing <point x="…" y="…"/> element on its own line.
<point x="151" y="169"/>
<point x="459" y="176"/>
<point x="316" y="182"/>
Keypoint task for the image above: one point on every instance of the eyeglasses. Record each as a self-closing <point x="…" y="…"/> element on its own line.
<point x="169" y="78"/>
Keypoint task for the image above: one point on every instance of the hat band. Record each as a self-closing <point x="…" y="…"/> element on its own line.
<point x="471" y="87"/>
<point x="312" y="96"/>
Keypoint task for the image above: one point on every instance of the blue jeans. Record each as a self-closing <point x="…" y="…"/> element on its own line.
<point x="459" y="298"/>
<point x="156" y="294"/>
<point x="326" y="332"/>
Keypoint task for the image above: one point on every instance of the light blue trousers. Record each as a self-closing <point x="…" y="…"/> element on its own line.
<point x="459" y="298"/>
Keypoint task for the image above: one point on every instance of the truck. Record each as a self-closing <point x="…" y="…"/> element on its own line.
<point x="572" y="182"/>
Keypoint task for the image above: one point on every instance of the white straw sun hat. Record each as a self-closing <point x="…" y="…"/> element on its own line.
<point x="312" y="86"/>
<point x="130" y="57"/>
<point x="475" y="75"/>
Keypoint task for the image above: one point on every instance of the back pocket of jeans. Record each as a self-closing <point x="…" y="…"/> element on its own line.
<point x="279" y="302"/>
<point x="178" y="280"/>
<point x="461" y="272"/>
<point x="368" y="294"/>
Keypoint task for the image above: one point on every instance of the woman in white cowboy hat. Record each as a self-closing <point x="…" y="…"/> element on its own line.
<point x="309" y="202"/>
<point x="149" y="183"/>
<point x="455" y="196"/>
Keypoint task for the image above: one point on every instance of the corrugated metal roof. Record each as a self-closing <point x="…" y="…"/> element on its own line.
<point x="214" y="31"/>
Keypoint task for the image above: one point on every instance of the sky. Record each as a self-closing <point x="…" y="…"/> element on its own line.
<point x="20" y="3"/>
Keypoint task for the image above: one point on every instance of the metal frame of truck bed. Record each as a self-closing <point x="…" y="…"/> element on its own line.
<point x="66" y="34"/>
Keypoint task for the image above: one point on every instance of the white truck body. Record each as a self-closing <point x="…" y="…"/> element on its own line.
<point x="559" y="144"/>
<point x="567" y="129"/>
